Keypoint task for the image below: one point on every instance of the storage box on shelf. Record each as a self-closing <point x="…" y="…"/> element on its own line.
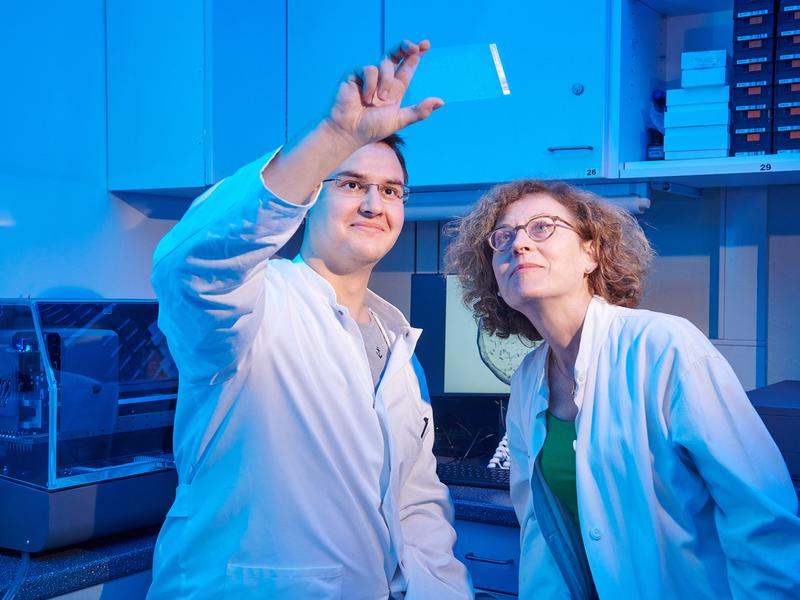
<point x="787" y="80"/>
<point x="697" y="117"/>
<point x="753" y="75"/>
<point x="674" y="26"/>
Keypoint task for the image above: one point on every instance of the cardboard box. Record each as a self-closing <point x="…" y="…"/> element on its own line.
<point x="690" y="115"/>
<point x="699" y="95"/>
<point x="704" y="77"/>
<point x="691" y="154"/>
<point x="704" y="60"/>
<point x="705" y="137"/>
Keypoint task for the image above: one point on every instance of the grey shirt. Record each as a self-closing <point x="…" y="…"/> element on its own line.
<point x="376" y="346"/>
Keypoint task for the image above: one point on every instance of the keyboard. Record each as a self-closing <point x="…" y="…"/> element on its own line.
<point x="473" y="475"/>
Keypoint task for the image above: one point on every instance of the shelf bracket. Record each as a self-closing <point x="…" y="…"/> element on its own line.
<point x="677" y="189"/>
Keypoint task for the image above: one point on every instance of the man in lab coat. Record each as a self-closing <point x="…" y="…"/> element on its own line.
<point x="302" y="438"/>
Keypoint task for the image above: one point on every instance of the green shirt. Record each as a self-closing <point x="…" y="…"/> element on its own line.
<point x="558" y="462"/>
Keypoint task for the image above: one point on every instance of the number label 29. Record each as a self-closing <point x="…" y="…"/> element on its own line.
<point x="765" y="167"/>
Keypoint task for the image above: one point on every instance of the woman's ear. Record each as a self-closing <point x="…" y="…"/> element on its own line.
<point x="591" y="256"/>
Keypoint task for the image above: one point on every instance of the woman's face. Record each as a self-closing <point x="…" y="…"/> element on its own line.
<point x="555" y="268"/>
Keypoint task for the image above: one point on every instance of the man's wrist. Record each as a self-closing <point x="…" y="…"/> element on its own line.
<point x="339" y="141"/>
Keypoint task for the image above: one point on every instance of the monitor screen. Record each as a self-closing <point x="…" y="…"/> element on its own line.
<point x="456" y="358"/>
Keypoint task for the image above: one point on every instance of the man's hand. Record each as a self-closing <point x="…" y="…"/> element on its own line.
<point x="367" y="109"/>
<point x="367" y="106"/>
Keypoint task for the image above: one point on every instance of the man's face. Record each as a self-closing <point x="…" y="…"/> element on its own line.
<point x="350" y="232"/>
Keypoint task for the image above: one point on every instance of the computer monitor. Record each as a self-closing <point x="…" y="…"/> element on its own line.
<point x="449" y="346"/>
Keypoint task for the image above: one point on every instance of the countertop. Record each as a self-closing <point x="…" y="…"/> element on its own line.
<point x="91" y="563"/>
<point x="83" y="565"/>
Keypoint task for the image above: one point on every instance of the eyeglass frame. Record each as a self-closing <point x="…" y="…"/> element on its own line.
<point x="557" y="222"/>
<point x="366" y="185"/>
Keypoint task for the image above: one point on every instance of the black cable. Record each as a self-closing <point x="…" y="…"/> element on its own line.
<point x="475" y="441"/>
<point x="22" y="570"/>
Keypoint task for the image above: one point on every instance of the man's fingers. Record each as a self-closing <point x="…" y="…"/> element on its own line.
<point x="386" y="74"/>
<point x="403" y="49"/>
<point x="406" y="70"/>
<point x="370" y="75"/>
<point x="418" y="112"/>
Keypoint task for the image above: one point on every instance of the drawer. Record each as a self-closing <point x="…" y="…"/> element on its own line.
<point x="491" y="554"/>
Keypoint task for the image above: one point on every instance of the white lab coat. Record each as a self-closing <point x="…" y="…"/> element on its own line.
<point x="279" y="435"/>
<point x="681" y="491"/>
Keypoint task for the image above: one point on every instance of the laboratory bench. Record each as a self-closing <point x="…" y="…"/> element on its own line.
<point x="97" y="562"/>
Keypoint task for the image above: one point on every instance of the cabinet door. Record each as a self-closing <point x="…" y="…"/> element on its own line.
<point x="195" y="89"/>
<point x="154" y="52"/>
<point x="245" y="102"/>
<point x="550" y="51"/>
<point x="490" y="553"/>
<point x="326" y="42"/>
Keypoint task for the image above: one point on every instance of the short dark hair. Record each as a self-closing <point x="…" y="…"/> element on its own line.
<point x="396" y="143"/>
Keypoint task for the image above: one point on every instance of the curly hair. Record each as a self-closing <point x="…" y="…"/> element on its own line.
<point x="622" y="252"/>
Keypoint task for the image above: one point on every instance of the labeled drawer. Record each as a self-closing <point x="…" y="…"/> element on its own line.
<point x="751" y="144"/>
<point x="752" y="92"/>
<point x="787" y="90"/>
<point x="754" y="19"/>
<point x="787" y="115"/>
<point x="753" y="69"/>
<point x="787" y="67"/>
<point x="490" y="553"/>
<point x="748" y="119"/>
<point x="787" y="142"/>
<point x="753" y="48"/>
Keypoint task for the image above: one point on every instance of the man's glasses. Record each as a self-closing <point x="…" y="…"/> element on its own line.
<point x="391" y="193"/>
<point x="538" y="229"/>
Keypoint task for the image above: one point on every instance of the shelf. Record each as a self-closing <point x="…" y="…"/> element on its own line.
<point x="770" y="169"/>
<point x="674" y="8"/>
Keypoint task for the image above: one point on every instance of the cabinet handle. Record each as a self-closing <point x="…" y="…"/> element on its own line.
<point x="565" y="148"/>
<point x="491" y="561"/>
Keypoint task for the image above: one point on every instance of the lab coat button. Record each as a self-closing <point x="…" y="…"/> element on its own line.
<point x="574" y="445"/>
<point x="581" y="377"/>
<point x="595" y="533"/>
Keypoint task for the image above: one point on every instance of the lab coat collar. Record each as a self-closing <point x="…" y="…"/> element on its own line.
<point x="594" y="332"/>
<point x="595" y="329"/>
<point x="392" y="319"/>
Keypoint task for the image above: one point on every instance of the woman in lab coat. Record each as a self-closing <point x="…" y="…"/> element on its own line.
<point x="638" y="466"/>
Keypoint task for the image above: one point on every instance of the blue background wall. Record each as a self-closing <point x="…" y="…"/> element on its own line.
<point x="61" y="234"/>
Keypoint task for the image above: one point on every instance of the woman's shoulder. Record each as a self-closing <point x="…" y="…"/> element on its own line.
<point x="657" y="331"/>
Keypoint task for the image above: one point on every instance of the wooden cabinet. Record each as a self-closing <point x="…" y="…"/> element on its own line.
<point x="195" y="89"/>
<point x="554" y="124"/>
